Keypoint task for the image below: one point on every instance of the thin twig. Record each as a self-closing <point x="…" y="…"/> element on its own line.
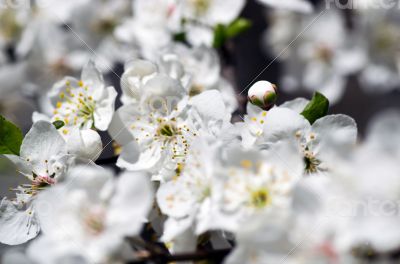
<point x="198" y="255"/>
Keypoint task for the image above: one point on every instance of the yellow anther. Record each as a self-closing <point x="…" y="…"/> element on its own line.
<point x="247" y="164"/>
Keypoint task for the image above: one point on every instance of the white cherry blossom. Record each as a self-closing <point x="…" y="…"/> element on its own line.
<point x="253" y="184"/>
<point x="84" y="103"/>
<point x="88" y="217"/>
<point x="43" y="160"/>
<point x="321" y="144"/>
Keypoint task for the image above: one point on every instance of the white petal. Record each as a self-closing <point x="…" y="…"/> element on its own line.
<point x="40" y="144"/>
<point x="91" y="178"/>
<point x="199" y="35"/>
<point x="175" y="199"/>
<point x="162" y="94"/>
<point x="92" y="76"/>
<point x="118" y="128"/>
<point x="384" y="132"/>
<point x="209" y="105"/>
<point x="296" y="105"/>
<point x="16" y="226"/>
<point x="85" y="144"/>
<point x="56" y="251"/>
<point x="132" y="158"/>
<point x="135" y="75"/>
<point x="253" y="110"/>
<point x="131" y="204"/>
<point x="225" y="11"/>
<point x="130" y="155"/>
<point x="22" y="165"/>
<point x="61" y="86"/>
<point x="334" y="133"/>
<point x="283" y="123"/>
<point x="293" y="5"/>
<point x="175" y="227"/>
<point x="36" y="116"/>
<point x="61" y="205"/>
<point x="105" y="109"/>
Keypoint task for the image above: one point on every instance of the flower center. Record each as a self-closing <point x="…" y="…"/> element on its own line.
<point x="167" y="129"/>
<point x="385" y="38"/>
<point x="105" y="25"/>
<point x="94" y="221"/>
<point x="9" y="28"/>
<point x="311" y="162"/>
<point x="195" y="90"/>
<point x="324" y="53"/>
<point x="38" y="184"/>
<point x="205" y="193"/>
<point x="201" y="6"/>
<point x="75" y="106"/>
<point x="260" y="198"/>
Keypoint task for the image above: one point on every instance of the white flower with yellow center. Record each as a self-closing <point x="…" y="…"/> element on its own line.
<point x="320" y="144"/>
<point x="84" y="103"/>
<point x="187" y="198"/>
<point x="43" y="160"/>
<point x="159" y="143"/>
<point x="252" y="183"/>
<point x="89" y="217"/>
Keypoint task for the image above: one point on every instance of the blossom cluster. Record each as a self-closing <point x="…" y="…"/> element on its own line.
<point x="286" y="183"/>
<point x="329" y="52"/>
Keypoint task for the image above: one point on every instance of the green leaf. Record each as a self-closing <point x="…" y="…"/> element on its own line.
<point x="10" y="137"/>
<point x="180" y="37"/>
<point x="316" y="108"/>
<point x="219" y="36"/>
<point x="237" y="27"/>
<point x="58" y="124"/>
<point x="224" y="32"/>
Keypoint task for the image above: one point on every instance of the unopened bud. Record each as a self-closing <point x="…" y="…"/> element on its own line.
<point x="262" y="94"/>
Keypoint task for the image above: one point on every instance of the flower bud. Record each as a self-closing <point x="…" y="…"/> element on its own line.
<point x="262" y="94"/>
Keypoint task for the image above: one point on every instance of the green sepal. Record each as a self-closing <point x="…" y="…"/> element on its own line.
<point x="316" y="108"/>
<point x="224" y="32"/>
<point x="58" y="124"/>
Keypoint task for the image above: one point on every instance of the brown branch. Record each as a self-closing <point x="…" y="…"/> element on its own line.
<point x="198" y="255"/>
